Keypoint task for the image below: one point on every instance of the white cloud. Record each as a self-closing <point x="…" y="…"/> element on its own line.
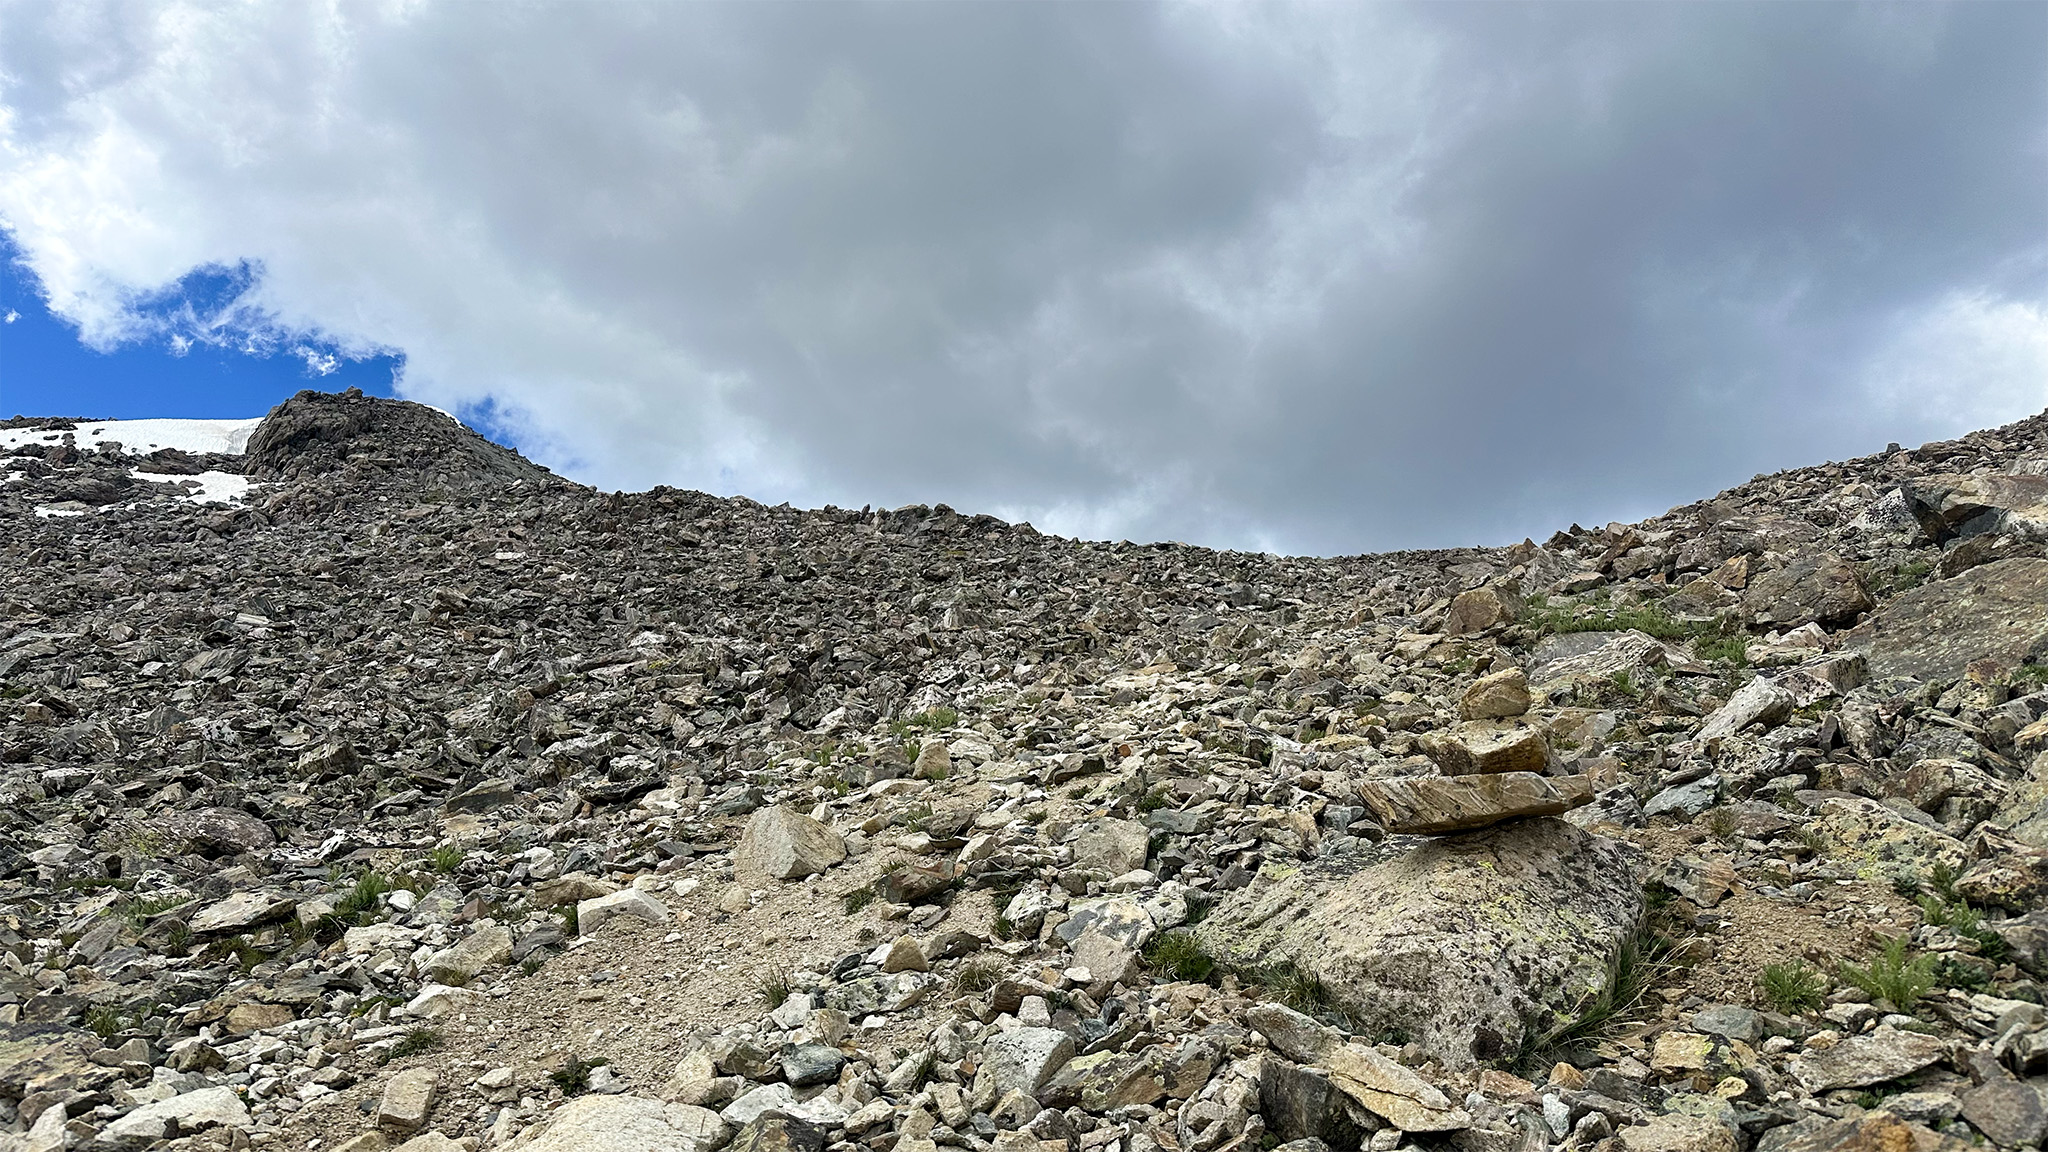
<point x="1972" y="359"/>
<point x="1280" y="276"/>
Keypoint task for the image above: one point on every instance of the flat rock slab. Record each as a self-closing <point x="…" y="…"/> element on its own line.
<point x="625" y="1124"/>
<point x="1997" y="610"/>
<point x="408" y="1097"/>
<point x="206" y="1108"/>
<point x="1432" y="805"/>
<point x="1875" y="1058"/>
<point x="239" y="911"/>
<point x="1462" y="942"/>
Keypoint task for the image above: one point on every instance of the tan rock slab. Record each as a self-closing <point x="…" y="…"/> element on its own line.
<point x="408" y="1098"/>
<point x="1434" y="805"/>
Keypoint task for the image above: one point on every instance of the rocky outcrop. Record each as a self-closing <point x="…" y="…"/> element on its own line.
<point x="1465" y="944"/>
<point x="315" y="432"/>
<point x="1995" y="611"/>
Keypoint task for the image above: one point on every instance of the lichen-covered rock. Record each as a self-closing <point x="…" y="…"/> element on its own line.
<point x="1999" y="610"/>
<point x="1879" y="1056"/>
<point x="1464" y="943"/>
<point x="1814" y="587"/>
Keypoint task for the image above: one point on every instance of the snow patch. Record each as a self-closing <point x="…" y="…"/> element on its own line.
<point x="205" y="488"/>
<point x="141" y="437"/>
<point x="49" y="510"/>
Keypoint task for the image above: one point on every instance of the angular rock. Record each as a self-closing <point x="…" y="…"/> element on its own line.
<point x="905" y="956"/>
<point x="1292" y="1034"/>
<point x="786" y="845"/>
<point x="2008" y="1112"/>
<point x="1300" y="1102"/>
<point x="626" y="1124"/>
<point x="1396" y="1094"/>
<point x="1873" y="1058"/>
<point x="1760" y="701"/>
<point x="1435" y="805"/>
<point x="1997" y="610"/>
<point x="1875" y="1131"/>
<point x="1679" y="1133"/>
<point x="1685" y="800"/>
<point x="780" y="1134"/>
<point x="240" y="911"/>
<point x="184" y="1114"/>
<point x="1954" y="505"/>
<point x="1809" y="588"/>
<point x="1482" y="746"/>
<point x="804" y="1064"/>
<point x="1730" y="1022"/>
<point x="1113" y="846"/>
<point x="1462" y="942"/>
<point x="1577" y="657"/>
<point x="462" y="962"/>
<point x="1478" y="609"/>
<point x="1021" y="1060"/>
<point x="408" y="1098"/>
<point x="772" y="1101"/>
<point x="1496" y="696"/>
<point x="209" y="832"/>
<point x="627" y="903"/>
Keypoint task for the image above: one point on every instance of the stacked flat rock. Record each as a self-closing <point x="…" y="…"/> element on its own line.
<point x="1493" y="764"/>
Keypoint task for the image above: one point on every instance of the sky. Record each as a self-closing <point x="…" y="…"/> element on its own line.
<point x="1314" y="278"/>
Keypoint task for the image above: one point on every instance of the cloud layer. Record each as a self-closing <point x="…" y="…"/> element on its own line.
<point x="1317" y="278"/>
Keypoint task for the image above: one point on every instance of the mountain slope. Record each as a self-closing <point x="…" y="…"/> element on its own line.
<point x="297" y="787"/>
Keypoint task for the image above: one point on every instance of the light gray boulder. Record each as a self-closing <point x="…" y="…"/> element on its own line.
<point x="786" y="845"/>
<point x="1464" y="942"/>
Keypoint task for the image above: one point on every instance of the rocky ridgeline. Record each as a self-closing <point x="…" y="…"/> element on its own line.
<point x="422" y="799"/>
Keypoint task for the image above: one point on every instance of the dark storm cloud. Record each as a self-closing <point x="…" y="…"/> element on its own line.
<point x="1316" y="278"/>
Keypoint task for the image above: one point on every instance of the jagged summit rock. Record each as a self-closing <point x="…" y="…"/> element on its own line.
<point x="316" y="432"/>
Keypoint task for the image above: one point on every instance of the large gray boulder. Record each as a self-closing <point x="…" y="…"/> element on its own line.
<point x="1814" y="586"/>
<point x="788" y="845"/>
<point x="1955" y="505"/>
<point x="1999" y="610"/>
<point x="1465" y="943"/>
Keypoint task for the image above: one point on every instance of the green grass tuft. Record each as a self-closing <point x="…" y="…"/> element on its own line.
<point x="977" y="975"/>
<point x="104" y="1020"/>
<point x="1892" y="977"/>
<point x="1792" y="988"/>
<point x="447" y="858"/>
<point x="1632" y="970"/>
<point x="773" y="989"/>
<point x="1179" y="956"/>
<point x="417" y="1042"/>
